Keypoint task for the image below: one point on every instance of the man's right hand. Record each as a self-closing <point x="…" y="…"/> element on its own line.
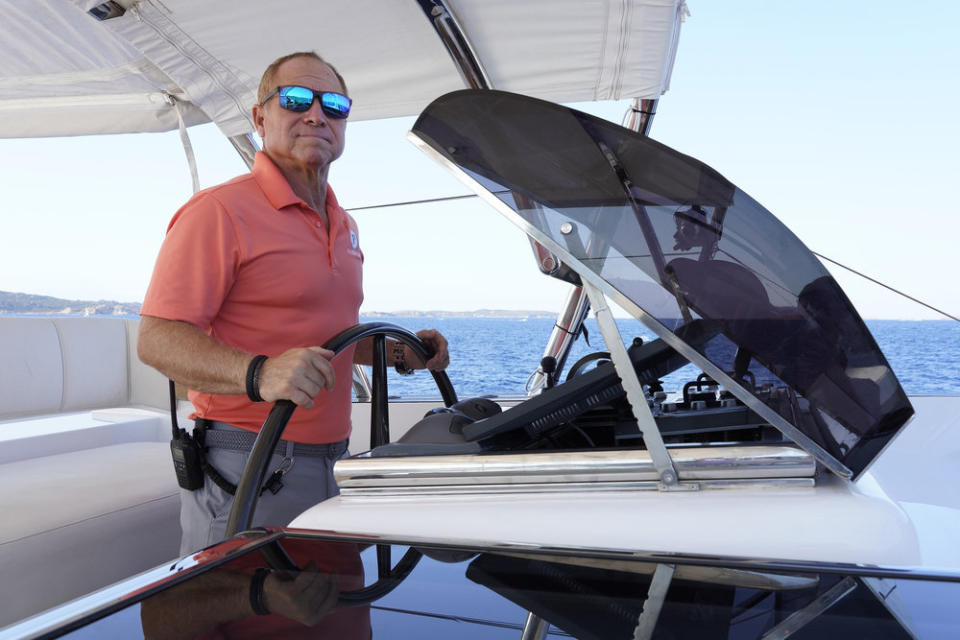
<point x="305" y="596"/>
<point x="297" y="375"/>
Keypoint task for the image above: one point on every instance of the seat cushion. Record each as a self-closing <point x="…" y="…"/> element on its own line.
<point x="94" y="362"/>
<point x="49" y="492"/>
<point x="31" y="378"/>
<point x="76" y="522"/>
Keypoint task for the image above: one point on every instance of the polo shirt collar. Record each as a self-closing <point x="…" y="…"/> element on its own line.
<point x="272" y="182"/>
<point x="279" y="192"/>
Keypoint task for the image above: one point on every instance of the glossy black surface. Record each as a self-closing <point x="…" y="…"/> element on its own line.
<point x="472" y="593"/>
<point x="683" y="243"/>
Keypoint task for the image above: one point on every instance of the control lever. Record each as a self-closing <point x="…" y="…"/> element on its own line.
<point x="548" y="365"/>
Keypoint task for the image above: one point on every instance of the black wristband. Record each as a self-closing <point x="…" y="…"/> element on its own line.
<point x="253" y="378"/>
<point x="257" y="603"/>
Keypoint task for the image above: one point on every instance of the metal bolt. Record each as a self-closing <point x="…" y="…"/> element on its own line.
<point x="566" y="228"/>
<point x="668" y="478"/>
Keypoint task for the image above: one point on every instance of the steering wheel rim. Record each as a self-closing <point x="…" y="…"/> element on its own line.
<point x="254" y="473"/>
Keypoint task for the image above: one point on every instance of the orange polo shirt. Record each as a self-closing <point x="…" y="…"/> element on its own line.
<point x="252" y="265"/>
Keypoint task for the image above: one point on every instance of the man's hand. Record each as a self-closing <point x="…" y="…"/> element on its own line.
<point x="305" y="596"/>
<point x="438" y="344"/>
<point x="297" y="375"/>
<point x="433" y="339"/>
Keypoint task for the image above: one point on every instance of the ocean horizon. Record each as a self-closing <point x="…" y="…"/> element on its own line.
<point x="497" y="354"/>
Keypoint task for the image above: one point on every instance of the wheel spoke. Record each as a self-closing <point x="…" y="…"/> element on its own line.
<point x="379" y="408"/>
<point x="383" y="561"/>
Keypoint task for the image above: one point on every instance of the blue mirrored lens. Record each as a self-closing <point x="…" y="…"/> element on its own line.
<point x="335" y="105"/>
<point x="296" y="98"/>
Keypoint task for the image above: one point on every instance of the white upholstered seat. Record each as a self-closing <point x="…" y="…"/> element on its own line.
<point x="87" y="491"/>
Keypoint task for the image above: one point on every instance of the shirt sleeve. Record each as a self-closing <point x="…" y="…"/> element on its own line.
<point x="197" y="264"/>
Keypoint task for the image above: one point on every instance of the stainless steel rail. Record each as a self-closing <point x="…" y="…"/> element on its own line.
<point x="580" y="470"/>
<point x="565" y="330"/>
<point x="640" y="116"/>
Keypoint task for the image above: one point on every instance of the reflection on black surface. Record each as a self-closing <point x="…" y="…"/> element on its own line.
<point x="303" y="604"/>
<point x="683" y="243"/>
<point x="457" y="593"/>
<point x="594" y="603"/>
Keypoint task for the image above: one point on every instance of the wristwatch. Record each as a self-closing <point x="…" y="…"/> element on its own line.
<point x="399" y="359"/>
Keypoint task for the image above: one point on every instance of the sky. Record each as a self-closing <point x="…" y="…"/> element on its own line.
<point x="839" y="117"/>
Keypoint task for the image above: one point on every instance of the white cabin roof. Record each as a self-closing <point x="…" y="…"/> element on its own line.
<point x="65" y="72"/>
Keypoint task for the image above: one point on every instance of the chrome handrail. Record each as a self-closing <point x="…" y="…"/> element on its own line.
<point x="586" y="470"/>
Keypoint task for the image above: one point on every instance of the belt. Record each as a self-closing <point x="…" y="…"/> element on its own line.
<point x="220" y="435"/>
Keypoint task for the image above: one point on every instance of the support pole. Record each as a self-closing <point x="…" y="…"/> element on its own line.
<point x="634" y="390"/>
<point x="535" y="628"/>
<point x="656" y="595"/>
<point x="380" y="410"/>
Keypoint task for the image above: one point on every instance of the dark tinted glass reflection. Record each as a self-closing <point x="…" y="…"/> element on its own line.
<point x="453" y="593"/>
<point x="685" y="245"/>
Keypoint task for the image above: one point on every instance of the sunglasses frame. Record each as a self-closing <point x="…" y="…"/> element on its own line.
<point x="317" y="95"/>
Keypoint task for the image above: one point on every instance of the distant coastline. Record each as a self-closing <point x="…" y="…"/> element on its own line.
<point x="29" y="304"/>
<point x="478" y="313"/>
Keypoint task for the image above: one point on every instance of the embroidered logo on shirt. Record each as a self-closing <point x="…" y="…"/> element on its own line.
<point x="354" y="249"/>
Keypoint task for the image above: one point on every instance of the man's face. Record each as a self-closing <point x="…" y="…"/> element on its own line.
<point x="306" y="140"/>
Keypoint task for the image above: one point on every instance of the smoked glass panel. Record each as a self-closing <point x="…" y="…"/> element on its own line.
<point x="684" y="244"/>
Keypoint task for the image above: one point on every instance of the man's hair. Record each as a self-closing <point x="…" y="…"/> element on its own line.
<point x="266" y="80"/>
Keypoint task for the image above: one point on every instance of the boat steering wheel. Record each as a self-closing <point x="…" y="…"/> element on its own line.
<point x="255" y="471"/>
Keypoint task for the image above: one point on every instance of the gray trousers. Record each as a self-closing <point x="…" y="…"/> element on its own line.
<point x="204" y="512"/>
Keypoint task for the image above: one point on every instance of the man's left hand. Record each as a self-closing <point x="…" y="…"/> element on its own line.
<point x="436" y="343"/>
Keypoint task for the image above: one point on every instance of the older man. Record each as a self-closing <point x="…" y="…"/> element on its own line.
<point x="253" y="276"/>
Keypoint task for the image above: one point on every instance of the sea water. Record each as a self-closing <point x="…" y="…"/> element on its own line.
<point x="497" y="355"/>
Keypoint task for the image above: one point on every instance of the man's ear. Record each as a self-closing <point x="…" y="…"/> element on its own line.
<point x="257" y="113"/>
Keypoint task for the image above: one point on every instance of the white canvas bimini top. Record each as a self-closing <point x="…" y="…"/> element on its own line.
<point x="67" y="67"/>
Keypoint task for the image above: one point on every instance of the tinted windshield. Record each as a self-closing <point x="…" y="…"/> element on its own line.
<point x="690" y="249"/>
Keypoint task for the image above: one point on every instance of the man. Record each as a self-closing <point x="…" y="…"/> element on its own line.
<point x="267" y="264"/>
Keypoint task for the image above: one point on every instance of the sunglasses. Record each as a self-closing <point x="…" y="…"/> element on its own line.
<point x="294" y="98"/>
